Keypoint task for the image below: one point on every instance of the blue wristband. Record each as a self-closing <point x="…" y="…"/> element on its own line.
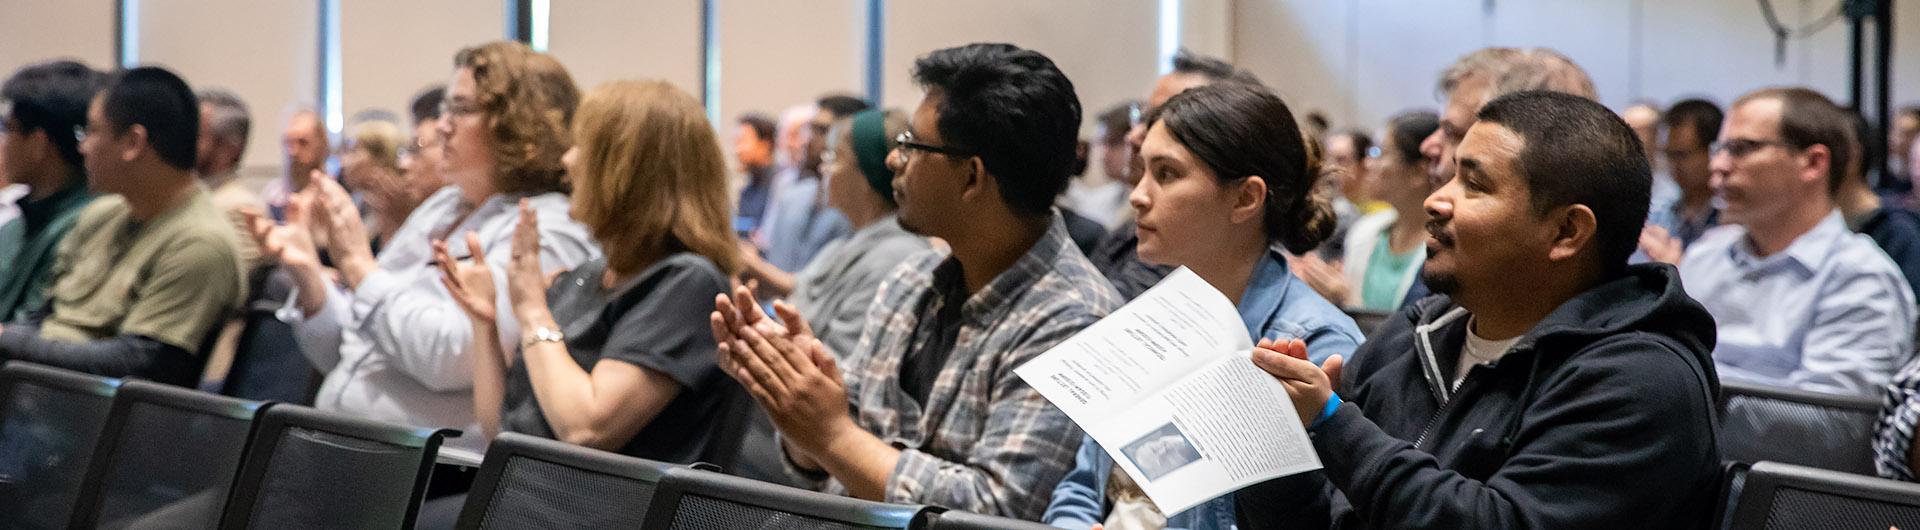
<point x="1333" y="404"/>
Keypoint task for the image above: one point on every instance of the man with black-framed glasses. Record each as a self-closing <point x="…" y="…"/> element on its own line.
<point x="926" y="409"/>
<point x="1800" y="300"/>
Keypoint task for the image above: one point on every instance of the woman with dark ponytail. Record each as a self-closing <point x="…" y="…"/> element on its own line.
<point x="1228" y="186"/>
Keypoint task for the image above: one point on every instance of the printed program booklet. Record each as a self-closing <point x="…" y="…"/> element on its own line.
<point x="1168" y="387"/>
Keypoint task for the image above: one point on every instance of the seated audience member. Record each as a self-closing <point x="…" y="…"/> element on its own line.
<point x="391" y="339"/>
<point x="1229" y="176"/>
<point x="150" y="271"/>
<point x="836" y="289"/>
<point x="1800" y="300"/>
<point x="370" y="168"/>
<point x="929" y="410"/>
<point x="1894" y="229"/>
<point x="1680" y="219"/>
<point x="1346" y="152"/>
<point x="1115" y="256"/>
<point x="1646" y="118"/>
<point x="1085" y="232"/>
<point x="1384" y="249"/>
<point x="753" y="149"/>
<point x="1102" y="197"/>
<point x="1903" y="149"/>
<point x="419" y="160"/>
<point x="805" y="223"/>
<point x="613" y="355"/>
<point x="224" y="125"/>
<point x="40" y="106"/>
<point x="789" y="153"/>
<point x="305" y="144"/>
<point x="1481" y="407"/>
<point x="1470" y="83"/>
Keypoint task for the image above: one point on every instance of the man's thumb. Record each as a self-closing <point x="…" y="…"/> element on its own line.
<point x="1332" y="367"/>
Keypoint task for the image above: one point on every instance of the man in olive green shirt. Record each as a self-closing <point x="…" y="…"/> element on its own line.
<point x="40" y="105"/>
<point x="149" y="269"/>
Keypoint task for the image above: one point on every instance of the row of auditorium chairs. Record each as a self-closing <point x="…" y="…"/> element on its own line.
<point x="81" y="451"/>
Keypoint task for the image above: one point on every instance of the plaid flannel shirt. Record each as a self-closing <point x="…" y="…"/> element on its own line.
<point x="985" y="441"/>
<point x="1898" y="416"/>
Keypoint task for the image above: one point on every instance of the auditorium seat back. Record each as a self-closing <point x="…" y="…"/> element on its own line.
<point x="954" y="520"/>
<point x="50" y="421"/>
<point x="311" y="469"/>
<point x="691" y="499"/>
<point x="533" y="482"/>
<point x="1827" y="431"/>
<point x="168" y="454"/>
<point x="1777" y="496"/>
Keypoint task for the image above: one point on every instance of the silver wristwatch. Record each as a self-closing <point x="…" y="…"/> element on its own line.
<point x="539" y="335"/>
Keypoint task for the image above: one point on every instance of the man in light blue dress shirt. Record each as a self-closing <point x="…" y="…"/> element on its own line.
<point x="1800" y="300"/>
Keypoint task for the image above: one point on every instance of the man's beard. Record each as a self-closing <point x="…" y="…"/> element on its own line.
<point x="1440" y="282"/>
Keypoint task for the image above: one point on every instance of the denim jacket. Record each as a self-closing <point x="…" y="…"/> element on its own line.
<point x="1276" y="305"/>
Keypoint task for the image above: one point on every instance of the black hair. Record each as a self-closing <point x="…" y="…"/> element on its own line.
<point x="163" y="104"/>
<point x="1868" y="154"/>
<point x="1012" y="108"/>
<point x="53" y="96"/>
<point x="1117" y="120"/>
<point x="1808" y="118"/>
<point x="762" y="125"/>
<point x="1241" y="130"/>
<point x="1575" y="151"/>
<point x="1361" y="142"/>
<point x="1212" y="68"/>
<point x="1408" y="129"/>
<point x="426" y="104"/>
<point x="1703" y="116"/>
<point x="841" y="105"/>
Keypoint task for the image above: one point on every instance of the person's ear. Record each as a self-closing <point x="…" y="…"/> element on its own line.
<point x="1574" y="229"/>
<point x="131" y="142"/>
<point x="977" y="185"/>
<point x="1249" y="200"/>
<point x="1817" y="164"/>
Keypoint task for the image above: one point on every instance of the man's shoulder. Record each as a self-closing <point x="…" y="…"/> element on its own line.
<point x="1856" y="254"/>
<point x="1072" y="284"/>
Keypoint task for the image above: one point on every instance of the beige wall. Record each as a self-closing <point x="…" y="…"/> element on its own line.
<point x="37" y="30"/>
<point x="775" y="54"/>
<point x="1106" y="48"/>
<point x="1363" y="60"/>
<point x="392" y="50"/>
<point x="267" y="52"/>
<point x="1358" y="60"/>
<point x="605" y="41"/>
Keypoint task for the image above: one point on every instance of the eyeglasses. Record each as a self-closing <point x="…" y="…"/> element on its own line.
<point x="1740" y="147"/>
<point x="906" y="142"/>
<point x="458" y="108"/>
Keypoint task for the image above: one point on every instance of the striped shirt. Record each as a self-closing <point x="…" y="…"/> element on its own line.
<point x="1899" y="414"/>
<point x="984" y="441"/>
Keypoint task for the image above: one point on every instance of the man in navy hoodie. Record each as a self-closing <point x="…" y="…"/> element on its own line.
<point x="1548" y="385"/>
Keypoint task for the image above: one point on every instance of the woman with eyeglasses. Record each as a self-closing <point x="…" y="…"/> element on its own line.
<point x="835" y="289"/>
<point x="1228" y="186"/>
<point x="388" y="334"/>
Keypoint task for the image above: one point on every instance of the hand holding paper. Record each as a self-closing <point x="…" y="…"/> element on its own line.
<point x="1166" y="386"/>
<point x="1310" y="386"/>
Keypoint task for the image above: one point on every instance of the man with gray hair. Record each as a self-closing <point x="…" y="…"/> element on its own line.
<point x="224" y="125"/>
<point x="1480" y="77"/>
